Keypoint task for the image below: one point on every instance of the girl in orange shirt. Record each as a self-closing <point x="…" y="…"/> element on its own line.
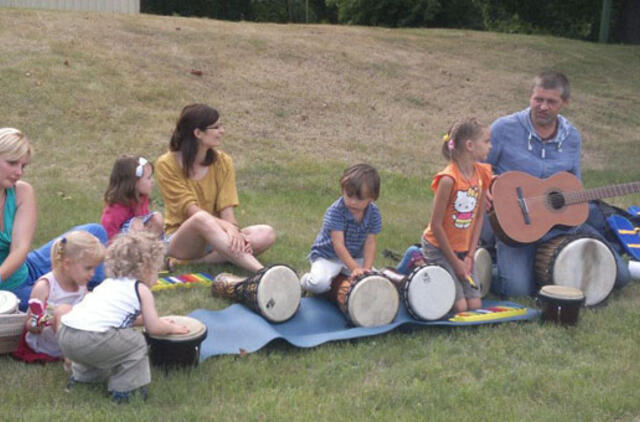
<point x="460" y="189"/>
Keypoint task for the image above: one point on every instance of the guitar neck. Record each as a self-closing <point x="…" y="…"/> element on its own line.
<point x="602" y="192"/>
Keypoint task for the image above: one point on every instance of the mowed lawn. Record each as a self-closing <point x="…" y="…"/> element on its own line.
<point x="300" y="103"/>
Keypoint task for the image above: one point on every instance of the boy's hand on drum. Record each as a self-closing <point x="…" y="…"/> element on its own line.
<point x="357" y="272"/>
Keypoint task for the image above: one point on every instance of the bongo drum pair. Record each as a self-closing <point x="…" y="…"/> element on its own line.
<point x="273" y="292"/>
<point x="368" y="301"/>
<point x="177" y="350"/>
<point x="581" y="262"/>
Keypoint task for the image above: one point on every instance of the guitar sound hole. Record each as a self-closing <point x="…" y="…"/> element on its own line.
<point x="556" y="200"/>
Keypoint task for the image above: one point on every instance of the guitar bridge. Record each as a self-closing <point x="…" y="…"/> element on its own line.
<point x="523" y="206"/>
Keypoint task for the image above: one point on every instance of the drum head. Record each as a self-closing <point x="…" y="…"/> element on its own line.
<point x="373" y="301"/>
<point x="196" y="329"/>
<point x="279" y="293"/>
<point x="8" y="302"/>
<point x="561" y="292"/>
<point x="430" y="292"/>
<point x="482" y="270"/>
<point x="586" y="264"/>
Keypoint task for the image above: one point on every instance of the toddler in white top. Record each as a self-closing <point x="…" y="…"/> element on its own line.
<point x="98" y="334"/>
<point x="74" y="258"/>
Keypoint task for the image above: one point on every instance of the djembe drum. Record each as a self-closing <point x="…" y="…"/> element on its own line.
<point x="368" y="301"/>
<point x="429" y="292"/>
<point x="177" y="350"/>
<point x="577" y="261"/>
<point x="273" y="292"/>
<point x="560" y="304"/>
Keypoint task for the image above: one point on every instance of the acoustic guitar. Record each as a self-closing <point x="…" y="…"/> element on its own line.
<point x="525" y="207"/>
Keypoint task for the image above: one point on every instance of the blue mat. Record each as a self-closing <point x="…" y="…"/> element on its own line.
<point x="237" y="329"/>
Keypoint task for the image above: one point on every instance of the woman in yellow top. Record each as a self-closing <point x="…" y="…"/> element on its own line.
<point x="198" y="185"/>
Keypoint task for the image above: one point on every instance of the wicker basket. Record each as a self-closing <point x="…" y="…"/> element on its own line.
<point x="11" y="327"/>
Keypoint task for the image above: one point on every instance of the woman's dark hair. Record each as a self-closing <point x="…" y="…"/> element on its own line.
<point x="193" y="116"/>
<point x="123" y="179"/>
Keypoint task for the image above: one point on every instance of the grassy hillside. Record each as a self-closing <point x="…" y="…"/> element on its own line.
<point x="300" y="103"/>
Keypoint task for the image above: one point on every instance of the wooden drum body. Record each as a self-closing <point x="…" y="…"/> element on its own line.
<point x="560" y="304"/>
<point x="429" y="292"/>
<point x="177" y="350"/>
<point x="274" y="292"/>
<point x="581" y="262"/>
<point x="368" y="301"/>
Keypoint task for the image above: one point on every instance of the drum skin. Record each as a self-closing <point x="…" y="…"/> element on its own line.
<point x="429" y="292"/>
<point x="179" y="350"/>
<point x="369" y="301"/>
<point x="581" y="262"/>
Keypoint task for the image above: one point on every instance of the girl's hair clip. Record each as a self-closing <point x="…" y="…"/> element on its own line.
<point x="448" y="140"/>
<point x="63" y="240"/>
<point x="140" y="169"/>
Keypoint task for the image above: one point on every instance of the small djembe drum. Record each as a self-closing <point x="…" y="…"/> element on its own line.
<point x="560" y="304"/>
<point x="368" y="301"/>
<point x="273" y="292"/>
<point x="177" y="350"/>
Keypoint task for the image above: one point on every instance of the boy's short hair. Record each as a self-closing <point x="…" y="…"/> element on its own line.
<point x="358" y="176"/>
<point x="133" y="254"/>
<point x="550" y="79"/>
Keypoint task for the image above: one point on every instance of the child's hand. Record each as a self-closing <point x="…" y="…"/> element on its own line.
<point x="468" y="263"/>
<point x="179" y="329"/>
<point x="357" y="272"/>
<point x="176" y="328"/>
<point x="459" y="267"/>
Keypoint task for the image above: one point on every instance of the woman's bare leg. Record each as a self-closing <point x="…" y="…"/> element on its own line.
<point x="200" y="230"/>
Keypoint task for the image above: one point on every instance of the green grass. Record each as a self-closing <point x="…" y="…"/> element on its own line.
<point x="299" y="104"/>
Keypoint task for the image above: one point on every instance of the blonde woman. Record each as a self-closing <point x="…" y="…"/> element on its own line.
<point x="19" y="268"/>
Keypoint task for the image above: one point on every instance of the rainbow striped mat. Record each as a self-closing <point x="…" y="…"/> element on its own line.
<point x="166" y="281"/>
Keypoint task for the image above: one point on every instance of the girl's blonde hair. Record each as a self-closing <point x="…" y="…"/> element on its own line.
<point x="74" y="246"/>
<point x="134" y="255"/>
<point x="14" y="144"/>
<point x="461" y="131"/>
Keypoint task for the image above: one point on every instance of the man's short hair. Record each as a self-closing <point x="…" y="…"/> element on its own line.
<point x="550" y="79"/>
